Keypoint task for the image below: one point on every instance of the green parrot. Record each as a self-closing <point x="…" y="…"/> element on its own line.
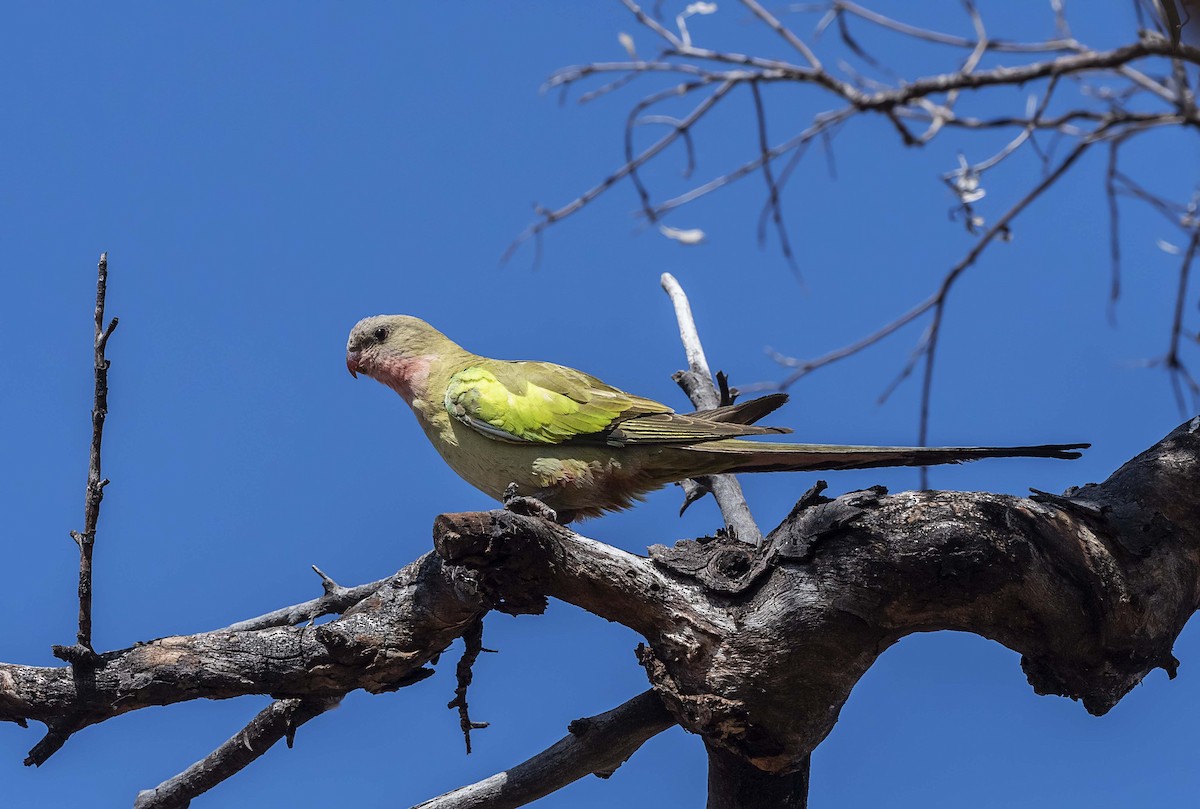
<point x="583" y="447"/>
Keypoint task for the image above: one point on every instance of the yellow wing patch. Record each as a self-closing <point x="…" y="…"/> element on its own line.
<point x="520" y="410"/>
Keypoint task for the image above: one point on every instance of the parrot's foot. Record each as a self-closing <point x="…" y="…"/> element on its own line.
<point x="527" y="506"/>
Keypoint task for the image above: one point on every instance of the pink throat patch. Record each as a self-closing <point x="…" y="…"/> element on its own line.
<point x="405" y="375"/>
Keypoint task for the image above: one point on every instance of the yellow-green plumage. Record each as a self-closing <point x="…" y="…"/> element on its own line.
<point x="579" y="445"/>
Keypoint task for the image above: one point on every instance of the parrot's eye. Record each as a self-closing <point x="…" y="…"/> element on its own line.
<point x="380" y="334"/>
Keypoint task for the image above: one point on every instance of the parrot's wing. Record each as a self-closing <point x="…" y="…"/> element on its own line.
<point x="543" y="403"/>
<point x="540" y="403"/>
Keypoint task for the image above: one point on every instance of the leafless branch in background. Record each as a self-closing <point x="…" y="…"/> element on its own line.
<point x="1080" y="97"/>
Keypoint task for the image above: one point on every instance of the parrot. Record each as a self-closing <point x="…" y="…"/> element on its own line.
<point x="582" y="447"/>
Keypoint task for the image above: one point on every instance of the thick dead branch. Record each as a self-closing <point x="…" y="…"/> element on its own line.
<point x="277" y="721"/>
<point x="757" y="649"/>
<point x="734" y="783"/>
<point x="381" y="644"/>
<point x="597" y="745"/>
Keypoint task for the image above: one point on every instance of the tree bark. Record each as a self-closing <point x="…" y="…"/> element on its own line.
<point x="757" y="650"/>
<point x="754" y="649"/>
<point x="380" y="644"/>
<point x="734" y="783"/>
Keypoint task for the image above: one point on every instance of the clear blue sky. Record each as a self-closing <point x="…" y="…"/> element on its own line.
<point x="265" y="174"/>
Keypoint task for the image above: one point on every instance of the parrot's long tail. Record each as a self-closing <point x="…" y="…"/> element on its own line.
<point x="738" y="455"/>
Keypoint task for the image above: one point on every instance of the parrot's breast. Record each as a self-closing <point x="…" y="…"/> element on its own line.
<point x="408" y="376"/>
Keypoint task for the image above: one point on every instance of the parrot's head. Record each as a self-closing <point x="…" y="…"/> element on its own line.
<point x="396" y="350"/>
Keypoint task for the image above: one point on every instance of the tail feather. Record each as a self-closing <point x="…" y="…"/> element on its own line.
<point x="747" y="412"/>
<point x="735" y="455"/>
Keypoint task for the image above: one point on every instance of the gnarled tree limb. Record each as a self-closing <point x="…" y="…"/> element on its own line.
<point x="380" y="645"/>
<point x="757" y="652"/>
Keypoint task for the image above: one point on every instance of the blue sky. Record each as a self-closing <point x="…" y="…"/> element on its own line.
<point x="263" y="175"/>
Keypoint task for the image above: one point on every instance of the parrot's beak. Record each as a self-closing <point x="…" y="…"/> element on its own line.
<point x="352" y="362"/>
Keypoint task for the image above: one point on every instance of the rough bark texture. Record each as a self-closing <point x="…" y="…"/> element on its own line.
<point x="380" y="644"/>
<point x="735" y="782"/>
<point x="758" y="651"/>
<point x="755" y="649"/>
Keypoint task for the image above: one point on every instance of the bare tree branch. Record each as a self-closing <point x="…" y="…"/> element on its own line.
<point x="277" y="721"/>
<point x="756" y="650"/>
<point x="1119" y="96"/>
<point x="381" y="644"/>
<point x="697" y="382"/>
<point x="336" y="600"/>
<point x="597" y="745"/>
<point x="82" y="653"/>
<point x="472" y="646"/>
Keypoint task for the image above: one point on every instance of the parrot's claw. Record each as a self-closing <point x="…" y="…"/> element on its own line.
<point x="527" y="506"/>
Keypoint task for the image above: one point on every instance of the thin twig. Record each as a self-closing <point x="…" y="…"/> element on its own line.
<point x="1180" y="376"/>
<point x="1061" y="45"/>
<point x="773" y="197"/>
<point x="336" y="600"/>
<point x="82" y="652"/>
<point x="549" y="217"/>
<point x="788" y="35"/>
<point x="739" y="522"/>
<point x="1114" y="230"/>
<point x="930" y="351"/>
<point x="472" y="646"/>
<point x="81" y="655"/>
<point x="1001" y="226"/>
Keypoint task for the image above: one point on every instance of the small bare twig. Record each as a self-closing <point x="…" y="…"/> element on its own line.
<point x="549" y="217"/>
<point x="1182" y="381"/>
<point x="697" y="382"/>
<point x="82" y="652"/>
<point x="81" y="655"/>
<point x="472" y="646"/>
<point x="774" y="203"/>
<point x="278" y="720"/>
<point x="336" y="600"/>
